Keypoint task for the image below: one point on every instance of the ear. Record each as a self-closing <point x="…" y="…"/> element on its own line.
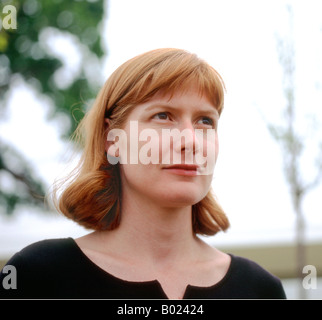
<point x="107" y="125"/>
<point x="110" y="146"/>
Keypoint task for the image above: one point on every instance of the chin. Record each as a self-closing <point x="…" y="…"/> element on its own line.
<point x="181" y="198"/>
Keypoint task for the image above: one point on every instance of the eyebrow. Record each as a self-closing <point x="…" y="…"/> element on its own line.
<point x="208" y="109"/>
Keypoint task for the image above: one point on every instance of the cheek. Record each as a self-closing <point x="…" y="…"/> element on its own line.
<point x="211" y="143"/>
<point x="217" y="147"/>
<point x="141" y="145"/>
<point x="207" y="153"/>
<point x="150" y="151"/>
<point x="213" y="146"/>
<point x="134" y="177"/>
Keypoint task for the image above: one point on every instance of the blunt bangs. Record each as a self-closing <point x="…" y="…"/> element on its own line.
<point x="168" y="71"/>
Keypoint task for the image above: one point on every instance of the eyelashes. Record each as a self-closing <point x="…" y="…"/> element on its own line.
<point x="202" y="121"/>
<point x="207" y="121"/>
<point x="161" y="116"/>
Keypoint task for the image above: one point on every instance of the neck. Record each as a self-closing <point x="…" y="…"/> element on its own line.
<point x="156" y="234"/>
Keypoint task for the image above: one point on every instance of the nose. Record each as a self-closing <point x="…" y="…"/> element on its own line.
<point x="187" y="141"/>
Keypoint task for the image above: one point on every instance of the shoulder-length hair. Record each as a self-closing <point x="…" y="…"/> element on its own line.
<point x="92" y="196"/>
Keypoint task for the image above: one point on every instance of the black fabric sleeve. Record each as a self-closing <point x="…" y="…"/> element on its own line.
<point x="38" y="268"/>
<point x="9" y="281"/>
<point x="251" y="281"/>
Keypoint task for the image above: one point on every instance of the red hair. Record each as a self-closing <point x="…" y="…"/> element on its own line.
<point x="92" y="197"/>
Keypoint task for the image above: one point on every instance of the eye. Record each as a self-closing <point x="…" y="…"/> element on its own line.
<point x="161" y="116"/>
<point x="206" y="121"/>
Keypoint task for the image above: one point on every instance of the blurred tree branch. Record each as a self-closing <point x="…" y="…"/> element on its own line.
<point x="27" y="189"/>
<point x="28" y="51"/>
<point x="293" y="146"/>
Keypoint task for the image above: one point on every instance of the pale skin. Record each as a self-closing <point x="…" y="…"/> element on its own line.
<point x="155" y="240"/>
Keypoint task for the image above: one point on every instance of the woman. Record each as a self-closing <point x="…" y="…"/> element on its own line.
<point x="143" y="186"/>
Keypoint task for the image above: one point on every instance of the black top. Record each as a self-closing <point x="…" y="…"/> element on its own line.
<point x="57" y="268"/>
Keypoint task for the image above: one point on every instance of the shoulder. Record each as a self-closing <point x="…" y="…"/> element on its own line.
<point x="244" y="266"/>
<point x="40" y="268"/>
<point x="254" y="279"/>
<point x="43" y="252"/>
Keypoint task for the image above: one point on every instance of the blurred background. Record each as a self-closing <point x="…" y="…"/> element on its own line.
<point x="55" y="55"/>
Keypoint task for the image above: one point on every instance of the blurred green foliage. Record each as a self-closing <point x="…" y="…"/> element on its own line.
<point x="27" y="51"/>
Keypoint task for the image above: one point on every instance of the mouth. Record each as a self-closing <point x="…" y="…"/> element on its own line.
<point x="183" y="169"/>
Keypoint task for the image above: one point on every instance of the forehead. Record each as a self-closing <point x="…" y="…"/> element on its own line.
<point x="188" y="99"/>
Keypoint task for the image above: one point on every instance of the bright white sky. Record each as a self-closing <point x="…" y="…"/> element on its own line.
<point x="239" y="39"/>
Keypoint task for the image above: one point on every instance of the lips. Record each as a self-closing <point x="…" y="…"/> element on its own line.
<point x="183" y="169"/>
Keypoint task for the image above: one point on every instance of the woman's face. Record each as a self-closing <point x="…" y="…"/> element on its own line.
<point x="168" y="149"/>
